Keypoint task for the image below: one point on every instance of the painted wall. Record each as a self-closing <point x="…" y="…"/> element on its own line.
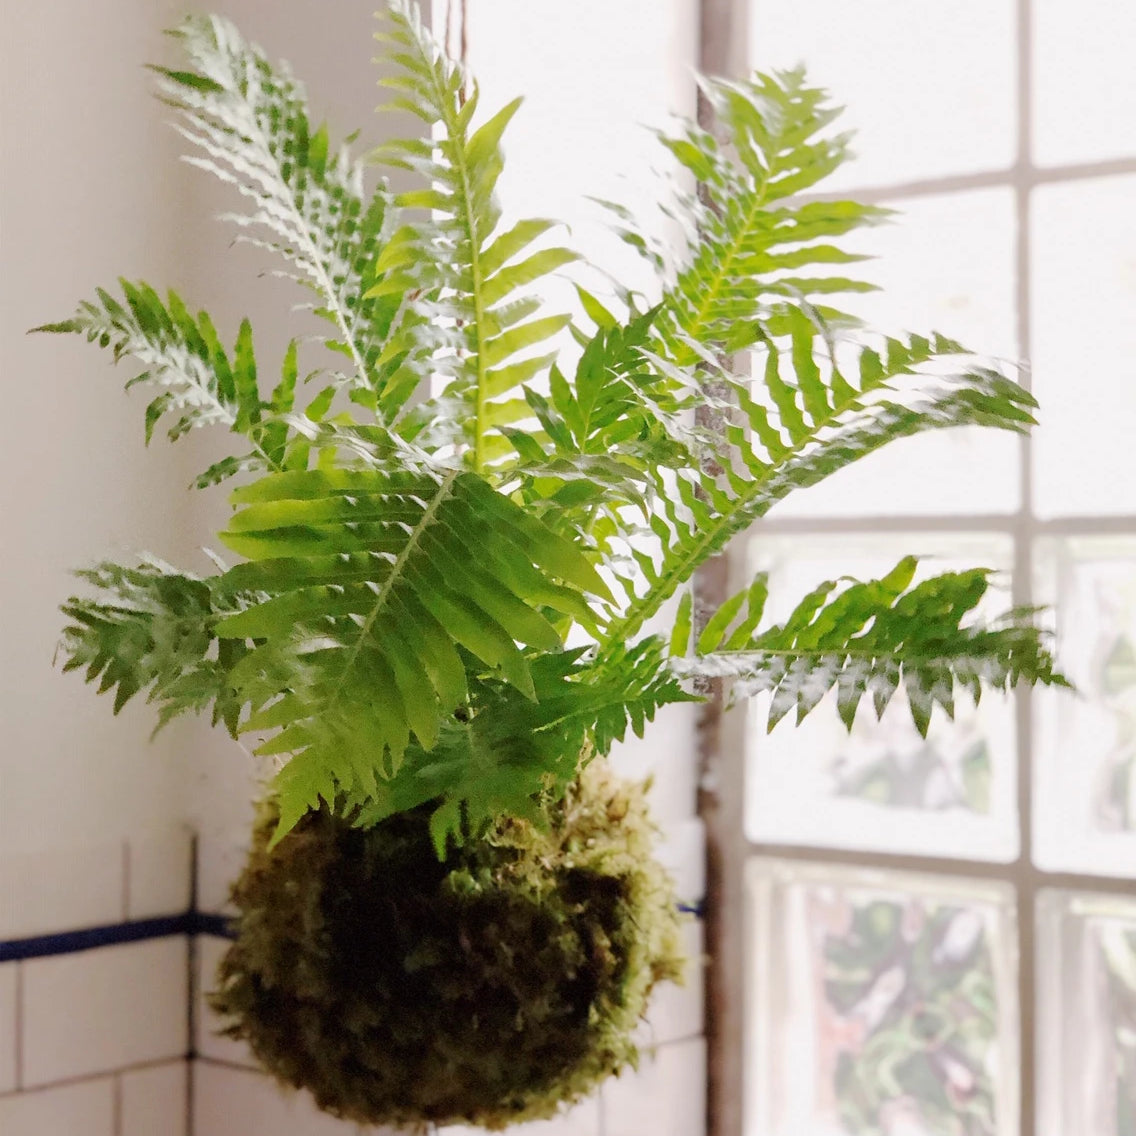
<point x="90" y="189"/>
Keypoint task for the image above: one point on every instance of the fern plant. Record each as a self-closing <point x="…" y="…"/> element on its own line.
<point x="452" y="547"/>
<point x="415" y="564"/>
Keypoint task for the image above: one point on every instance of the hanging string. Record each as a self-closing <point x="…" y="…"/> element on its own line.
<point x="457" y="18"/>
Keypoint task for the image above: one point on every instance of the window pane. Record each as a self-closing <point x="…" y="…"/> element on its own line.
<point x="1087" y="1015"/>
<point x="946" y="264"/>
<point x="929" y="87"/>
<point x="1084" y="346"/>
<point x="1086" y="797"/>
<point x="1084" y="100"/>
<point x="881" y="1003"/>
<point x="883" y="787"/>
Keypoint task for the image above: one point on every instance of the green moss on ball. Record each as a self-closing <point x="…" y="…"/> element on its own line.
<point x="486" y="989"/>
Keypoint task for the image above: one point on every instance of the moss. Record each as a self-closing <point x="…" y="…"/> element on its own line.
<point x="485" y="989"/>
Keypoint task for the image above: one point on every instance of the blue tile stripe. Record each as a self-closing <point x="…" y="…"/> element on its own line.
<point x="114" y="934"/>
<point x="141" y="930"/>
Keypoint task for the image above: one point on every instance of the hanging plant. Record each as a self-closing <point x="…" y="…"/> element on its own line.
<point x="450" y="912"/>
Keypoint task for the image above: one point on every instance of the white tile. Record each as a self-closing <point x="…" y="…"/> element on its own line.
<point x="666" y="1096"/>
<point x="105" y="1009"/>
<point x="237" y="1102"/>
<point x="60" y="890"/>
<point x="682" y="851"/>
<point x="84" y="1109"/>
<point x="154" y="1100"/>
<point x="676" y="1012"/>
<point x="8" y="979"/>
<point x="219" y="862"/>
<point x="208" y="1042"/>
<point x="160" y="877"/>
<point x="583" y="1120"/>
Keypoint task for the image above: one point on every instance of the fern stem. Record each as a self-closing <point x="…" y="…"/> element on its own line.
<point x="322" y="280"/>
<point x="468" y="220"/>
<point x="445" y="488"/>
<point x="710" y="295"/>
<point x="713" y="539"/>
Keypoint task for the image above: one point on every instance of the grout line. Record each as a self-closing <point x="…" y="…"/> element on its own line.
<point x="194" y="872"/>
<point x="235" y="1066"/>
<point x="193" y="986"/>
<point x="125" y="880"/>
<point x="1088" y="525"/>
<point x="193" y="953"/>
<point x="101" y="1075"/>
<point x="116" y="1105"/>
<point x="190" y="1084"/>
<point x="192" y="956"/>
<point x="1021" y="172"/>
<point x="19" y="1026"/>
<point x="1025" y="879"/>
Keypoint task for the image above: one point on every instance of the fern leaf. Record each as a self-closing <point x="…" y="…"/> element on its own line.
<point x="199" y="383"/>
<point x="702" y="513"/>
<point x="752" y="239"/>
<point x="603" y="431"/>
<point x="250" y="124"/>
<point x="375" y="584"/>
<point x="507" y="751"/>
<point x="880" y="636"/>
<point x="471" y="270"/>
<point x="150" y="629"/>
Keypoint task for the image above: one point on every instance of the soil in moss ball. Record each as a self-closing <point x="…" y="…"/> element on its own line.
<point x="487" y="989"/>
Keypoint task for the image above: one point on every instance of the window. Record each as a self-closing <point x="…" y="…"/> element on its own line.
<point x="942" y="933"/>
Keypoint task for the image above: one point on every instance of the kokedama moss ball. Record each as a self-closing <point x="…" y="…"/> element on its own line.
<point x="485" y="989"/>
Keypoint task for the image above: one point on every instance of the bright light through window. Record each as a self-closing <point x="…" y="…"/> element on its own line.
<point x="905" y="892"/>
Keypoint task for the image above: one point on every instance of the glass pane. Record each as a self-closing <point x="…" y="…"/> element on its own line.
<point x="1084" y="346"/>
<point x="1086" y="742"/>
<point x="929" y="87"/>
<point x="946" y="264"/>
<point x="882" y="1005"/>
<point x="1084" y="100"/>
<point x="1086" y="1015"/>
<point x="883" y="787"/>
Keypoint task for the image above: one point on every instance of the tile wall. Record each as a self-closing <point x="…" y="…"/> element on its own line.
<point x="102" y="1036"/>
<point x="94" y="1028"/>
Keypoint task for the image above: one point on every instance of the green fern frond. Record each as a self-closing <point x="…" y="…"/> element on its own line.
<point x="498" y="756"/>
<point x="200" y="384"/>
<point x="307" y="201"/>
<point x="803" y="421"/>
<point x="602" y="432"/>
<point x="873" y="638"/>
<point x="488" y="760"/>
<point x="151" y="629"/>
<point x="472" y="274"/>
<point x="628" y="686"/>
<point x="374" y="582"/>
<point x="756" y="247"/>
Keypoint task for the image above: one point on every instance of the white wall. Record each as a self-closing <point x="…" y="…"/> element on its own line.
<point x="90" y="189"/>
